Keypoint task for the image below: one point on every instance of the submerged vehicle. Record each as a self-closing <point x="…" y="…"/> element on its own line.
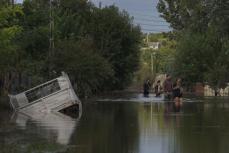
<point x="60" y="127"/>
<point x="52" y="96"/>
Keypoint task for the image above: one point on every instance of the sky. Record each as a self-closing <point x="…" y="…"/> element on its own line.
<point x="144" y="12"/>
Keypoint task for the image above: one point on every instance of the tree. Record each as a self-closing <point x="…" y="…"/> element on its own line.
<point x="117" y="40"/>
<point x="99" y="48"/>
<point x="183" y="14"/>
<point x="9" y="50"/>
<point x="86" y="67"/>
<point x="202" y="52"/>
<point x="156" y="61"/>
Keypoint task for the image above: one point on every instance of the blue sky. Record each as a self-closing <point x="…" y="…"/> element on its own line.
<point x="144" y="12"/>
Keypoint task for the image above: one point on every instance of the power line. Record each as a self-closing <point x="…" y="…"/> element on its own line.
<point x="137" y="9"/>
<point x="145" y="15"/>
<point x="158" y="30"/>
<point x="150" y="20"/>
<point x="152" y="25"/>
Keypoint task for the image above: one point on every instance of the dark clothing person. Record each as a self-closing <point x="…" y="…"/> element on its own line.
<point x="168" y="88"/>
<point x="1" y="83"/>
<point x="168" y="85"/>
<point x="146" y="88"/>
<point x="177" y="93"/>
<point x="158" y="89"/>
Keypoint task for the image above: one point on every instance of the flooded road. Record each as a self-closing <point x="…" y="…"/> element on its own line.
<point x="122" y="126"/>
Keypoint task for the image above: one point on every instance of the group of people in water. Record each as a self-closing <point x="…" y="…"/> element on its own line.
<point x="171" y="90"/>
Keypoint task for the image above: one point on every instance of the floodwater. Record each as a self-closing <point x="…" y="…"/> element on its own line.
<point x="122" y="126"/>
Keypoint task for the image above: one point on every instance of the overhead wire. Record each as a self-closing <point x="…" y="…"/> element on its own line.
<point x="156" y="31"/>
<point x="152" y="25"/>
<point x="143" y="15"/>
<point x="149" y="20"/>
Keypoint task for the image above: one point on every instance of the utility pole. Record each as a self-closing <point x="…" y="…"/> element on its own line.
<point x="153" y="63"/>
<point x="100" y="5"/>
<point x="51" y="26"/>
<point x="51" y="36"/>
<point x="11" y="2"/>
<point x="151" y="57"/>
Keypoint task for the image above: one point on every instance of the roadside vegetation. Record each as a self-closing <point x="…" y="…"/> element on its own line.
<point x="97" y="47"/>
<point x="156" y="61"/>
<point x="202" y="35"/>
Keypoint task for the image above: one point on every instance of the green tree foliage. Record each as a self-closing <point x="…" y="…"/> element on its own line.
<point x="9" y="51"/>
<point x="186" y="13"/>
<point x="203" y="34"/>
<point x="99" y="48"/>
<point x="110" y="34"/>
<point x="35" y="39"/>
<point x="165" y="53"/>
<point x="86" y="67"/>
<point x="157" y="60"/>
<point x="117" y="40"/>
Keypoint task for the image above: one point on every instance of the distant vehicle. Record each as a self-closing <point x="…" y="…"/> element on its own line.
<point x="54" y="95"/>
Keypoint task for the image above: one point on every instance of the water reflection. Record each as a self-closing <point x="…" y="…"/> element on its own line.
<point x="107" y="128"/>
<point x="133" y="98"/>
<point x="50" y="125"/>
<point x="158" y="126"/>
<point x="139" y="98"/>
<point x="124" y="127"/>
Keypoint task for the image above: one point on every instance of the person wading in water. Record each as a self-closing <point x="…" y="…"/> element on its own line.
<point x="146" y="88"/>
<point x="158" y="89"/>
<point x="177" y="92"/>
<point x="168" y="87"/>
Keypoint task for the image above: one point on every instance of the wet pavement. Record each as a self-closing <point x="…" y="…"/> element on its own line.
<point x="122" y="125"/>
